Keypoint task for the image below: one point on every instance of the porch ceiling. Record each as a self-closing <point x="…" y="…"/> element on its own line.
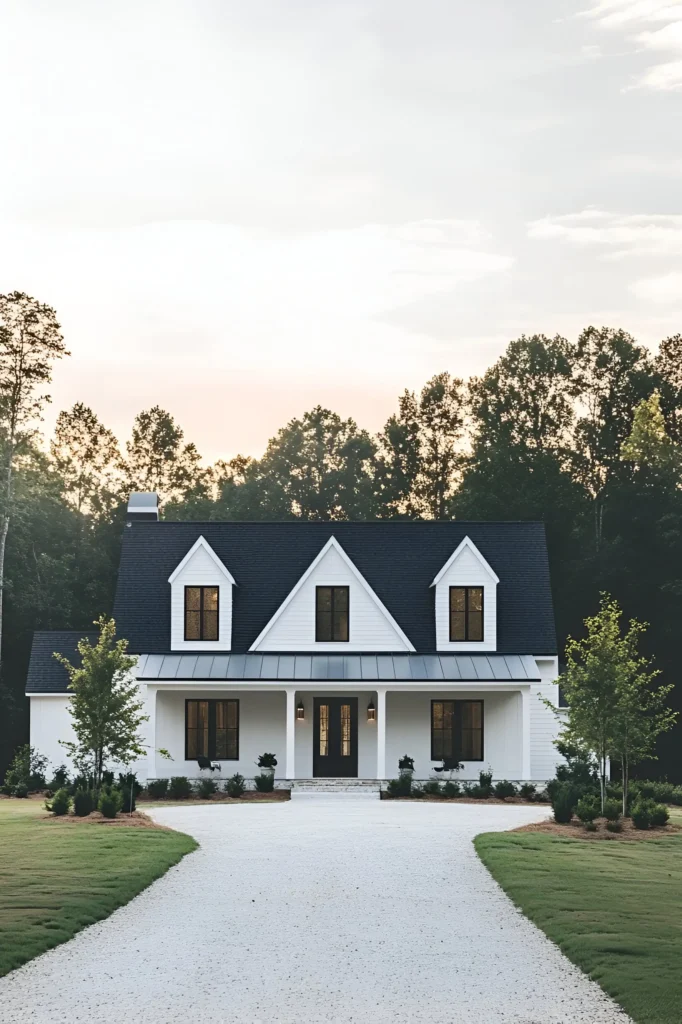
<point x="463" y="668"/>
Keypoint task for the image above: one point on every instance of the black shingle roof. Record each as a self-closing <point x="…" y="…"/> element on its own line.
<point x="398" y="559"/>
<point x="45" y="674"/>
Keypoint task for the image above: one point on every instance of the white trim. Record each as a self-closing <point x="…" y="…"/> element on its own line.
<point x="202" y="543"/>
<point x="64" y="693"/>
<point x="466" y="543"/>
<point x="333" y="543"/>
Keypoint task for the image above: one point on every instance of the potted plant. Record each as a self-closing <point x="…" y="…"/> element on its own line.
<point x="406" y="765"/>
<point x="267" y="764"/>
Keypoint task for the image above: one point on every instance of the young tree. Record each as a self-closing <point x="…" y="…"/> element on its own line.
<point x="158" y="460"/>
<point x="668" y="364"/>
<point x="648" y="445"/>
<point x="105" y="703"/>
<point x="30" y="341"/>
<point x="86" y="456"/>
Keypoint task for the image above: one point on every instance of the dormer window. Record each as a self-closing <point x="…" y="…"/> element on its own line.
<point x="201" y="613"/>
<point x="331" y="614"/>
<point x="466" y="614"/>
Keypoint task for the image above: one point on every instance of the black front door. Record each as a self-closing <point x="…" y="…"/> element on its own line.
<point x="335" y="737"/>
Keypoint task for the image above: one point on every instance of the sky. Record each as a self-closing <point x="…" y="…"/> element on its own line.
<point x="243" y="209"/>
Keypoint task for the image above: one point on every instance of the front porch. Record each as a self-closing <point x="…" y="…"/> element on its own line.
<point x="366" y="729"/>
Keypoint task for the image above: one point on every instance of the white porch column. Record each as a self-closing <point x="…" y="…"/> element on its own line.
<point x="290" y="759"/>
<point x="150" y="710"/>
<point x="381" y="733"/>
<point x="525" y="734"/>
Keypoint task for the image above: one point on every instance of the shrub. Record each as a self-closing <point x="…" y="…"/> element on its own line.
<point x="235" y="785"/>
<point x="60" y="802"/>
<point x="641" y="814"/>
<point x="418" y="793"/>
<point x="406" y="764"/>
<point x="82" y="782"/>
<point x="60" y="779"/>
<point x="130" y="790"/>
<point x="580" y="767"/>
<point x="612" y="809"/>
<point x="451" y="789"/>
<point x="590" y="826"/>
<point x="20" y="790"/>
<point x="564" y="800"/>
<point x="265" y="782"/>
<point x="658" y="791"/>
<point x="402" y="786"/>
<point x="179" y="788"/>
<point x="157" y="789"/>
<point x="432" y="787"/>
<point x="107" y="778"/>
<point x="659" y="815"/>
<point x="83" y="802"/>
<point x="614" y="826"/>
<point x="527" y="791"/>
<point x="676" y="797"/>
<point x="110" y="802"/>
<point x="206" y="788"/>
<point x="588" y="808"/>
<point x="485" y="780"/>
<point x="267" y="761"/>
<point x="504" y="789"/>
<point x="479" y="792"/>
<point x="27" y="768"/>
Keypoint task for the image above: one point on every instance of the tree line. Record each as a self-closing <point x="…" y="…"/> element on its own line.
<point x="585" y="435"/>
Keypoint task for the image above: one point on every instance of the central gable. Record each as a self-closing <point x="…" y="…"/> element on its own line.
<point x="371" y="625"/>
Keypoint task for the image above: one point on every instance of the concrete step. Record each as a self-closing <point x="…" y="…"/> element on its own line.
<point x="335" y="794"/>
<point x="366" y="788"/>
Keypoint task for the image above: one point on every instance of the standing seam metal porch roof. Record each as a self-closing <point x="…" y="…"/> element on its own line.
<point x="333" y="667"/>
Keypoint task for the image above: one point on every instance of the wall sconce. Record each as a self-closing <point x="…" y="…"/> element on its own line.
<point x="300" y="711"/>
<point x="371" y="712"/>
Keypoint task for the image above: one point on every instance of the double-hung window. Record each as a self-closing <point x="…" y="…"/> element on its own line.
<point x="331" y="614"/>
<point x="201" y="613"/>
<point x="466" y="614"/>
<point x="457" y="730"/>
<point x="212" y="729"/>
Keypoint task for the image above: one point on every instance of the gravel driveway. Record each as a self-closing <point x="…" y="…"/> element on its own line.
<point x="312" y="912"/>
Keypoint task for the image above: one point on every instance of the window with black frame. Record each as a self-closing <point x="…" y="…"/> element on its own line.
<point x="331" y="614"/>
<point x="457" y="730"/>
<point x="212" y="729"/>
<point x="466" y="614"/>
<point x="201" y="613"/>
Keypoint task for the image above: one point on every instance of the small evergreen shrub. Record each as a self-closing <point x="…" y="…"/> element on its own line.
<point x="107" y="778"/>
<point x="130" y="790"/>
<point x="676" y="797"/>
<point x="83" y="803"/>
<point x="402" y="786"/>
<point x="27" y="768"/>
<point x="110" y="802"/>
<point x="60" y="802"/>
<point x="432" y="787"/>
<point x="179" y="788"/>
<point x="662" y="792"/>
<point x="564" y="801"/>
<point x="60" y="779"/>
<point x="235" y="785"/>
<point x="265" y="782"/>
<point x="614" y="826"/>
<point x="504" y="789"/>
<point x="479" y="792"/>
<point x="418" y="793"/>
<point x="157" y="789"/>
<point x="451" y="789"/>
<point x="659" y="815"/>
<point x="20" y="790"/>
<point x="206" y="788"/>
<point x="588" y="808"/>
<point x="527" y="791"/>
<point x="612" y="809"/>
<point x="82" y="782"/>
<point x="641" y="814"/>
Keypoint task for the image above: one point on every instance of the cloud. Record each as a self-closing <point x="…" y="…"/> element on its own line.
<point x="639" y="21"/>
<point x="620" y="234"/>
<point x="665" y="290"/>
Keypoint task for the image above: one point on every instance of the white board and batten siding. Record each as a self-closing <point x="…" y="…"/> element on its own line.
<point x="467" y="568"/>
<point x="201" y="569"/>
<point x="370" y="625"/>
<point x="544" y="725"/>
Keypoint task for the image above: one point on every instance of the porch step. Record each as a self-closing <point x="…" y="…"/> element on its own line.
<point x="364" y="788"/>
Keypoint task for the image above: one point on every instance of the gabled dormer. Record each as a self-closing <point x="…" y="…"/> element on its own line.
<point x="332" y="609"/>
<point x="466" y="602"/>
<point x="201" y="601"/>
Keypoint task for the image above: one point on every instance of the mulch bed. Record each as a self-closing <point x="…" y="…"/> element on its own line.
<point x="250" y="796"/>
<point x="134" y="820"/>
<point x="429" y="798"/>
<point x="576" y="830"/>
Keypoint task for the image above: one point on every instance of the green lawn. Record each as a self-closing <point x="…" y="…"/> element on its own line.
<point x="614" y="908"/>
<point x="56" y="877"/>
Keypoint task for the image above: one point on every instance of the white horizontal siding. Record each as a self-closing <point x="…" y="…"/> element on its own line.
<point x="369" y="629"/>
<point x="466" y="571"/>
<point x="202" y="571"/>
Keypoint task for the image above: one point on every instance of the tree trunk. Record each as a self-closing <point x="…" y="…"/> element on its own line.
<point x="4" y="529"/>
<point x="626" y="782"/>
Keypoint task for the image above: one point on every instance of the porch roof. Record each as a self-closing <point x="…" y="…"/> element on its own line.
<point x="325" y="667"/>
